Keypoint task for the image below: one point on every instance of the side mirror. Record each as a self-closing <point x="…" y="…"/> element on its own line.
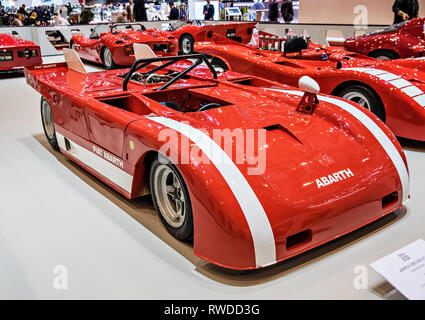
<point x="309" y="85"/>
<point x="309" y="101"/>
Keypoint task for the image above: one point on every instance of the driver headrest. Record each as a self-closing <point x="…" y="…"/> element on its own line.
<point x="295" y="44"/>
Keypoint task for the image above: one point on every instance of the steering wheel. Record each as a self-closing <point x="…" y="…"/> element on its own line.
<point x="209" y="106"/>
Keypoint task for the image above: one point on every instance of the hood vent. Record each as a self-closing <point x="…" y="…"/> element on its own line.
<point x="279" y="127"/>
<point x="416" y="80"/>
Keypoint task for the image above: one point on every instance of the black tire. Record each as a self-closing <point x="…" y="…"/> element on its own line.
<point x="186" y="44"/>
<point x="108" y="62"/>
<point x="183" y="232"/>
<point x="384" y="55"/>
<point x="49" y="128"/>
<point x="374" y="103"/>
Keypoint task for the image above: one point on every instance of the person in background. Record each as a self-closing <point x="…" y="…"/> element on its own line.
<point x="174" y="12"/>
<point x="208" y="11"/>
<point x="129" y="8"/>
<point x="258" y="5"/>
<point x="102" y="11"/>
<point x="22" y="10"/>
<point x="39" y="12"/>
<point x="405" y="10"/>
<point x="273" y="10"/>
<point x="122" y="17"/>
<point x="140" y="10"/>
<point x="221" y="10"/>
<point x="19" y="20"/>
<point x="182" y="14"/>
<point x="32" y="20"/>
<point x="287" y="11"/>
<point x="45" y="14"/>
<point x="60" y="21"/>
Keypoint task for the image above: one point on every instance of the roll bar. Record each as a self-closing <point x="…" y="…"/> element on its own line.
<point x="142" y="63"/>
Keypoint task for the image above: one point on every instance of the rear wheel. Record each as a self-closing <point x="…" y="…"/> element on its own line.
<point x="48" y="123"/>
<point x="186" y="44"/>
<point x="384" y="55"/>
<point x="171" y="199"/>
<point x="364" y="97"/>
<point x="107" y="59"/>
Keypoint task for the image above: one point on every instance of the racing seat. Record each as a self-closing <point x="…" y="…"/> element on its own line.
<point x="296" y="44"/>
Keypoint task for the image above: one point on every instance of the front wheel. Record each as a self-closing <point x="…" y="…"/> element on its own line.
<point x="186" y="44"/>
<point x="48" y="123"/>
<point x="107" y="59"/>
<point x="171" y="199"/>
<point x="364" y="97"/>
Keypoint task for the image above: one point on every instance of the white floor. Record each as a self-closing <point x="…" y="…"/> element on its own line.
<point x="50" y="217"/>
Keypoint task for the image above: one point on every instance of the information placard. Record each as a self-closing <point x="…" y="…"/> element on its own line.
<point x="405" y="270"/>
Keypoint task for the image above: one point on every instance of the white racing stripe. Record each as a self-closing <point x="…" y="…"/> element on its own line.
<point x="258" y="222"/>
<point x="380" y="135"/>
<point x="408" y="88"/>
<point x="97" y="163"/>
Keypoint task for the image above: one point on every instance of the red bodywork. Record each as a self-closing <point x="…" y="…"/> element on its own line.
<point x="94" y="113"/>
<point x="16" y="53"/>
<point x="241" y="32"/>
<point x="405" y="39"/>
<point x="400" y="85"/>
<point x="120" y="43"/>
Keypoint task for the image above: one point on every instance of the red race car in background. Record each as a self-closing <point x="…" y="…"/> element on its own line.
<point x="394" y="91"/>
<point x="402" y="40"/>
<point x="243" y="210"/>
<point x="114" y="47"/>
<point x="16" y="53"/>
<point x="187" y="33"/>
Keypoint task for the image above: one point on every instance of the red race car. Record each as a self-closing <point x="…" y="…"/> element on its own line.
<point x="16" y="53"/>
<point x="253" y="171"/>
<point x="394" y="91"/>
<point x="187" y="33"/>
<point x="402" y="40"/>
<point x="114" y="47"/>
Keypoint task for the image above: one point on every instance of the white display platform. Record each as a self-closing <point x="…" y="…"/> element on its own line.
<point x="50" y="216"/>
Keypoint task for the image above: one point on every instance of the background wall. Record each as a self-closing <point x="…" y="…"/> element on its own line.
<point x="342" y="11"/>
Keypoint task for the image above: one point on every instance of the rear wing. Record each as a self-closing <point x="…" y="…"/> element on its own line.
<point x="72" y="62"/>
<point x="51" y="73"/>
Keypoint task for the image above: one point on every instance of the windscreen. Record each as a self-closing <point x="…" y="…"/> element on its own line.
<point x="392" y="28"/>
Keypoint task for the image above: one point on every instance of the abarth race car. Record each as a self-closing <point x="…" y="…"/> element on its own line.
<point x="393" y="90"/>
<point x="16" y="53"/>
<point x="189" y="135"/>
<point x="189" y="32"/>
<point x="402" y="40"/>
<point x="114" y="47"/>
